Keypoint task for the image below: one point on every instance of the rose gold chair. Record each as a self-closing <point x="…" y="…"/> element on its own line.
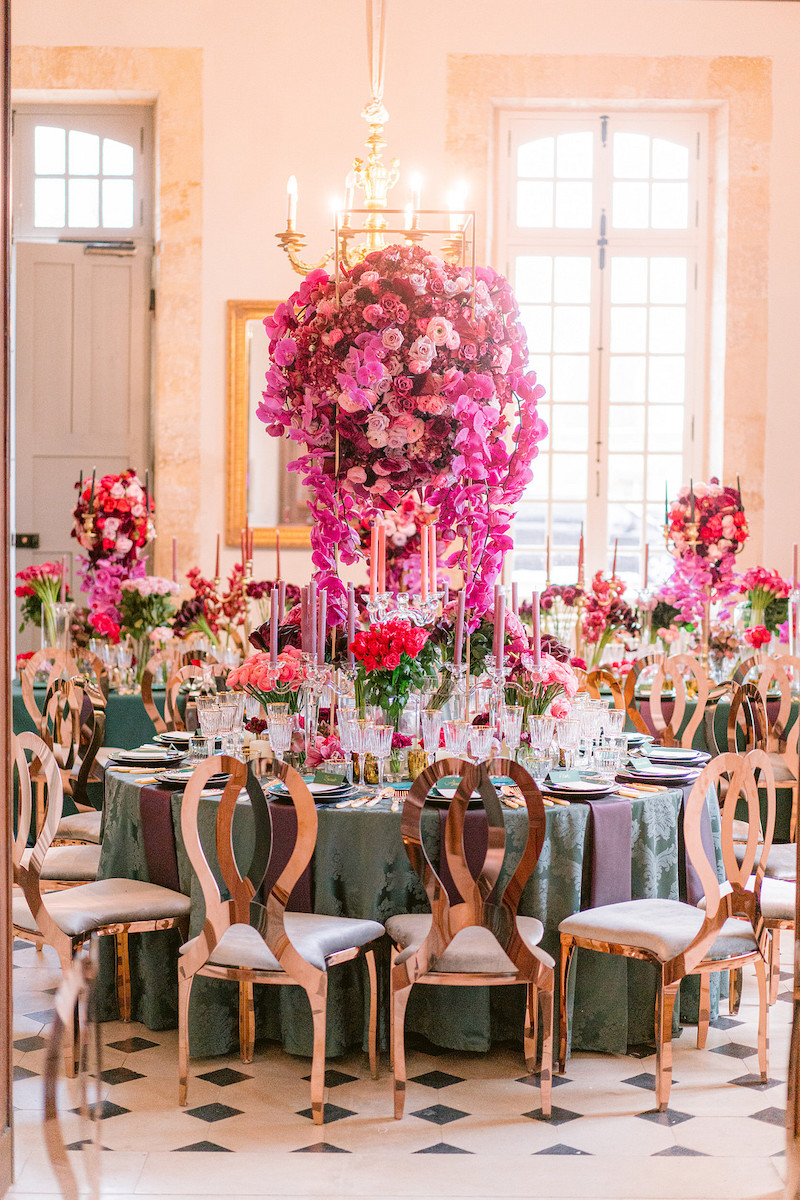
<point x="153" y="669"/>
<point x="675" y="668"/>
<point x="602" y="675"/>
<point x="682" y="940"/>
<point x="65" y="919"/>
<point x="479" y="939"/>
<point x="249" y="942"/>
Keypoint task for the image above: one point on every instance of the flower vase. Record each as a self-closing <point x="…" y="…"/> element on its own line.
<point x="56" y="619"/>
<point x="142" y="650"/>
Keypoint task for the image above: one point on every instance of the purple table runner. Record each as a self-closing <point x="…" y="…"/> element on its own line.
<point x="158" y="835"/>
<point x="608" y="837"/>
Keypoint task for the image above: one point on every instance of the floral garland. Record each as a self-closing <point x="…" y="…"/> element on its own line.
<point x="408" y="372"/>
<point x="112" y="522"/>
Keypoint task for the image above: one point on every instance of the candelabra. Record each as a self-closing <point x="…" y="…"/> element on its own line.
<point x="497" y="672"/>
<point x="403" y="606"/>
<point x="318" y="676"/>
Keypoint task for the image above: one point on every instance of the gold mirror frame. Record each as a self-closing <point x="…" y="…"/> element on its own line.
<point x="239" y="312"/>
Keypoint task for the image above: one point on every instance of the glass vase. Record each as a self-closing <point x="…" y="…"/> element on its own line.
<point x="56" y="621"/>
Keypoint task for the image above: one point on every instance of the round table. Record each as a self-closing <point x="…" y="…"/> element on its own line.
<point x="360" y="868"/>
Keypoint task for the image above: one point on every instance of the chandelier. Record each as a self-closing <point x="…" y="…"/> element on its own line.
<point x="359" y="230"/>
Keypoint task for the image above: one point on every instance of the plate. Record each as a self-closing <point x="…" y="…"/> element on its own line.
<point x="180" y="776"/>
<point x="155" y="757"/>
<point x="662" y="770"/>
<point x="579" y="787"/>
<point x="639" y="739"/>
<point x="179" y="737"/>
<point x="676" y="754"/>
<point x="443" y="791"/>
<point x="326" y="791"/>
<point x="677" y="780"/>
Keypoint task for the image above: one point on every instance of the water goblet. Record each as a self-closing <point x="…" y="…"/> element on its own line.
<point x="568" y="733"/>
<point x="613" y="721"/>
<point x="279" y="730"/>
<point x="456" y="737"/>
<point x="512" y="727"/>
<point x="538" y="762"/>
<point x="431" y="729"/>
<point x="480" y="742"/>
<point x="208" y="716"/>
<point x="381" y="740"/>
<point x="277" y="710"/>
<point x="541" y="729"/>
<point x="606" y="762"/>
<point x="360" y="742"/>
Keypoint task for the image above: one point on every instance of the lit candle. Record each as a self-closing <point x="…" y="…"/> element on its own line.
<point x="459" y="640"/>
<point x="423" y="561"/>
<point x="322" y="629"/>
<point x="416" y="191"/>
<point x="174" y="560"/>
<point x="291" y="196"/>
<point x="273" y="628"/>
<point x="514" y="600"/>
<point x="614" y="563"/>
<point x="373" y="560"/>
<point x="434" y="582"/>
<point x="691" y="500"/>
<point x="381" y="557"/>
<point x="349" y="191"/>
<point x="216" y="568"/>
<point x="646" y="562"/>
<point x="409" y="219"/>
<point x="351" y="624"/>
<point x="63" y="578"/>
<point x="312" y="619"/>
<point x="501" y="633"/>
<point x="277" y="553"/>
<point x="580" y="556"/>
<point x="537" y="636"/>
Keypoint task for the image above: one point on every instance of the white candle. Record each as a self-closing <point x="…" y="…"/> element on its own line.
<point x="291" y="195"/>
<point x="537" y="637"/>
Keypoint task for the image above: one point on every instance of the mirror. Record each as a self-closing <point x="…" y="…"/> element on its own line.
<point x="259" y="485"/>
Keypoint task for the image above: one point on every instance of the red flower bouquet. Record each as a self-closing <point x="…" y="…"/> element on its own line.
<point x="390" y="662"/>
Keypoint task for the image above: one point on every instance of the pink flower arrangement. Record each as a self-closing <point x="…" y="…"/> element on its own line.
<point x="271" y="684"/>
<point x="606" y="614"/>
<point x="410" y="371"/>
<point x="548" y="687"/>
<point x="757" y="637"/>
<point x="763" y="586"/>
<point x="708" y="567"/>
<point x="38" y="585"/>
<point x="324" y="750"/>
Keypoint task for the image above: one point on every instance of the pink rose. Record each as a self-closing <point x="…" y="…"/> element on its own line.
<point x="560" y="708"/>
<point x="392" y="339"/>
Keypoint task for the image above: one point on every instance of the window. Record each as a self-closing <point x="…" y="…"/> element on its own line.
<point x="82" y="173"/>
<point x="602" y="235"/>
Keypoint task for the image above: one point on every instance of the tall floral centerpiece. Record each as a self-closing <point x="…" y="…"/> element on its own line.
<point x="113" y="523"/>
<point x="606" y="615"/>
<point x="145" y="605"/>
<point x="405" y="374"/>
<point x="391" y="660"/>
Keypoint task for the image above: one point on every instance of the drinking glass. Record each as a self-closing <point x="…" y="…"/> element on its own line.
<point x="279" y="730"/>
<point x="606" y="761"/>
<point x="125" y="662"/>
<point x="541" y="730"/>
<point x="360" y="742"/>
<point x="345" y="718"/>
<point x="456" y="737"/>
<point x="568" y="733"/>
<point x="431" y="729"/>
<point x="208" y="716"/>
<point x="512" y="727"/>
<point x="381" y="741"/>
<point x="480" y="742"/>
<point x="538" y="762"/>
<point x="252" y="706"/>
<point x="613" y="722"/>
<point x="278" y="710"/>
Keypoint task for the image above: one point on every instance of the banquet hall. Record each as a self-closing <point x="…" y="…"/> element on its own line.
<point x="427" y="371"/>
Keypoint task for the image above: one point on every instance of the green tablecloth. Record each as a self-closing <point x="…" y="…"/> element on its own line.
<point x="360" y="868"/>
<point x="127" y="723"/>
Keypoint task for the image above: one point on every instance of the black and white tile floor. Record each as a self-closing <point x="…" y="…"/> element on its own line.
<point x="473" y="1126"/>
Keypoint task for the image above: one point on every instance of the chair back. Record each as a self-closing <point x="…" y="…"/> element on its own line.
<point x="629" y="691"/>
<point x="739" y="895"/>
<point x="172" y="714"/>
<point x="153" y="668"/>
<point x="43" y="764"/>
<point x="747" y="666"/>
<point x="781" y="739"/>
<point x="747" y="715"/>
<point x="242" y="907"/>
<point x="675" y="668"/>
<point x="61" y="666"/>
<point x="482" y="903"/>
<point x="602" y="675"/>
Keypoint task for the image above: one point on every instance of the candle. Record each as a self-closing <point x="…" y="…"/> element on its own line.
<point x="250" y="540"/>
<point x="312" y="619"/>
<point x="243" y="547"/>
<point x="423" y="561"/>
<point x="373" y="560"/>
<point x="691" y="500"/>
<point x="445" y="594"/>
<point x="666" y="504"/>
<point x="547" y="560"/>
<point x="281" y="598"/>
<point x="794" y="566"/>
<point x="501" y="635"/>
<point x="80" y="485"/>
<point x="614" y="563"/>
<point x="381" y="557"/>
<point x="304" y="620"/>
<point x="63" y="578"/>
<point x="174" y="560"/>
<point x="146" y="500"/>
<point x="277" y="553"/>
<point x="537" y="636"/>
<point x="646" y="562"/>
<point x="739" y="490"/>
<point x="462" y="596"/>
<point x="322" y="629"/>
<point x="91" y="494"/>
<point x="434" y="581"/>
<point x="514" y="600"/>
<point x="351" y="624"/>
<point x="273" y="628"/>
<point x="496" y="632"/>
<point x="216" y="568"/>
<point x="291" y="201"/>
<point x="580" y="556"/>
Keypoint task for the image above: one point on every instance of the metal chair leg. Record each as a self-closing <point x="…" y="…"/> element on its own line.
<point x="531" y="1033"/>
<point x="123" y="975"/>
<point x="184" y="994"/>
<point x="247" y="1021"/>
<point x="665" y="1004"/>
<point x="704" y="1012"/>
<point x="546" y="999"/>
<point x="373" y="1013"/>
<point x="567" y="951"/>
<point x="399" y="1001"/>
<point x="319" y="1012"/>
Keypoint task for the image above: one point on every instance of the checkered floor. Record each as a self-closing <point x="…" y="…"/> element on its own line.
<point x="245" y="1125"/>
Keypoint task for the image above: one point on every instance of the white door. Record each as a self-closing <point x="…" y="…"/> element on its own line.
<point x="81" y="381"/>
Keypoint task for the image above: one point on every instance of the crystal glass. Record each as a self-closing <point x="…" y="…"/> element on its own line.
<point x="541" y="730"/>
<point x="277" y="710"/>
<point x="279" y="730"/>
<point x="252" y="706"/>
<point x="381" y="741"/>
<point x="431" y="729"/>
<point x="456" y="737"/>
<point x="512" y="727"/>
<point x="231" y="706"/>
<point x="568" y="733"/>
<point x="606" y="761"/>
<point x="537" y="763"/>
<point x="125" y="663"/>
<point x="613" y="721"/>
<point x="208" y="716"/>
<point x="480" y="742"/>
<point x="360" y="742"/>
<point x="345" y="717"/>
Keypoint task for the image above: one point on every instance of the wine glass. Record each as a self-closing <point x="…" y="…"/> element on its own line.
<point x="277" y="710"/>
<point x="480" y="742"/>
<point x="345" y="719"/>
<point x="360" y="742"/>
<point x="208" y="715"/>
<point x="381" y="742"/>
<point x="456" y="737"/>
<point x="568" y="733"/>
<point x="431" y="729"/>
<point x="613" y="721"/>
<point x="279" y="730"/>
<point x="541" y="730"/>
<point x="511" y="725"/>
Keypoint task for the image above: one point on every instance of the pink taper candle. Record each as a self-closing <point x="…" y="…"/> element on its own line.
<point x="381" y="558"/>
<point x="501" y="636"/>
<point x="445" y="594"/>
<point x="514" y="600"/>
<point x="216" y="566"/>
<point x="273" y="628"/>
<point x="459" y="628"/>
<point x="373" y="561"/>
<point x="312" y="619"/>
<point x="614" y="563"/>
<point x="423" y="562"/>
<point x="281" y="598"/>
<point x="63" y="595"/>
<point x="174" y="560"/>
<point x="277" y="553"/>
<point x="794" y="565"/>
<point x="351" y="624"/>
<point x="537" y="636"/>
<point x="433" y="582"/>
<point x="322" y="628"/>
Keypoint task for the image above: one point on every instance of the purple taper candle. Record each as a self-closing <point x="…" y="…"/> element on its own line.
<point x="514" y="600"/>
<point x="351" y="624"/>
<point x="303" y="620"/>
<point x="322" y="627"/>
<point x="281" y="598"/>
<point x="457" y="646"/>
<point x="273" y="628"/>
<point x="537" y="637"/>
